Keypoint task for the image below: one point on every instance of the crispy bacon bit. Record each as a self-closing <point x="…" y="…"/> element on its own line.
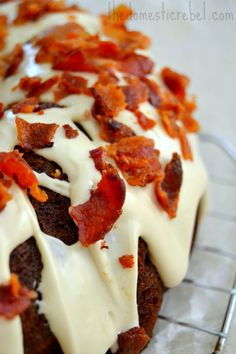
<point x="104" y="245"/>
<point x="96" y="217"/>
<point x="4" y="196"/>
<point x="14" y="298"/>
<point x="120" y="15"/>
<point x="70" y="132"/>
<point x="154" y="92"/>
<point x="145" y="122"/>
<point x="191" y="124"/>
<point x="114" y="27"/>
<point x="70" y="84"/>
<point x="185" y="146"/>
<point x="137" y="65"/>
<point x="34" y="85"/>
<point x="27" y="105"/>
<point x="137" y="159"/>
<point x="31" y="10"/>
<point x="113" y="131"/>
<point x="168" y="189"/>
<point x="99" y="158"/>
<point x="13" y="60"/>
<point x="109" y="100"/>
<point x="127" y="261"/>
<point x="74" y="60"/>
<point x="169" y="122"/>
<point x="135" y="93"/>
<point x="107" y="77"/>
<point x="1" y="110"/>
<point x="35" y="135"/>
<point x="3" y="30"/>
<point x="132" y="341"/>
<point x="14" y="166"/>
<point x="175" y="82"/>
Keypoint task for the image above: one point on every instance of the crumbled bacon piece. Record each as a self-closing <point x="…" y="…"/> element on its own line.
<point x="176" y="83"/>
<point x="113" y="131"/>
<point x="169" y="122"/>
<point x="120" y="15"/>
<point x="1" y="110"/>
<point x="34" y="85"/>
<point x="107" y="77"/>
<point x="145" y="122"/>
<point x="132" y="341"/>
<point x="191" y="124"/>
<point x="31" y="10"/>
<point x="99" y="158"/>
<point x="127" y="261"/>
<point x="70" y="84"/>
<point x="74" y="60"/>
<point x="3" y="30"/>
<point x="154" y="92"/>
<point x="14" y="166"/>
<point x="168" y="189"/>
<point x="14" y="298"/>
<point x="135" y="93"/>
<point x="137" y="159"/>
<point x="27" y="105"/>
<point x="35" y="135"/>
<point x="70" y="132"/>
<point x="136" y="64"/>
<point x="4" y="196"/>
<point x="185" y="145"/>
<point x="109" y="100"/>
<point x="96" y="217"/>
<point x="13" y="60"/>
<point x="114" y="27"/>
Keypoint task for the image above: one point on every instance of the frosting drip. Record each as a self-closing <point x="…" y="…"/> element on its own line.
<point x="85" y="290"/>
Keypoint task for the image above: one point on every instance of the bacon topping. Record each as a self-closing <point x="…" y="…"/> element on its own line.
<point x="132" y="341"/>
<point x="34" y="85"/>
<point x="99" y="158"/>
<point x="70" y="84"/>
<point x="185" y="146"/>
<point x="13" y="60"/>
<point x="127" y="261"/>
<point x="113" y="131"/>
<point x="70" y="132"/>
<point x="114" y="27"/>
<point x="154" y="92"/>
<point x="135" y="93"/>
<point x="31" y="10"/>
<point x="175" y="82"/>
<point x="109" y="100"/>
<point x="137" y="159"/>
<point x="137" y="65"/>
<point x="14" y="166"/>
<point x="145" y="122"/>
<point x="14" y="298"/>
<point x="3" y="30"/>
<point x="96" y="217"/>
<point x="168" y="189"/>
<point x="35" y="135"/>
<point x="27" y="105"/>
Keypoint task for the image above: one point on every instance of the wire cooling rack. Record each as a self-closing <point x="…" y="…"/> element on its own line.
<point x="219" y="253"/>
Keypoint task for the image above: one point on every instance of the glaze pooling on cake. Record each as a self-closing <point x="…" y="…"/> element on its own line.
<point x="98" y="296"/>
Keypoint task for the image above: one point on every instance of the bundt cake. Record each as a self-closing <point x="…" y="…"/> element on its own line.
<point x="100" y="181"/>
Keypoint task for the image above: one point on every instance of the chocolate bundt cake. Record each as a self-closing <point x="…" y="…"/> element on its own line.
<point x="100" y="181"/>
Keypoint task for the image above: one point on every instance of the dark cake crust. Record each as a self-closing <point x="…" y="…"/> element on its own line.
<point x="26" y="261"/>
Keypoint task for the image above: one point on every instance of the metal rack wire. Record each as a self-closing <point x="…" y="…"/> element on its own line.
<point x="223" y="334"/>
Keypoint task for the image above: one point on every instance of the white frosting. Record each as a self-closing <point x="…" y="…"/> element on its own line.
<point x="85" y="291"/>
